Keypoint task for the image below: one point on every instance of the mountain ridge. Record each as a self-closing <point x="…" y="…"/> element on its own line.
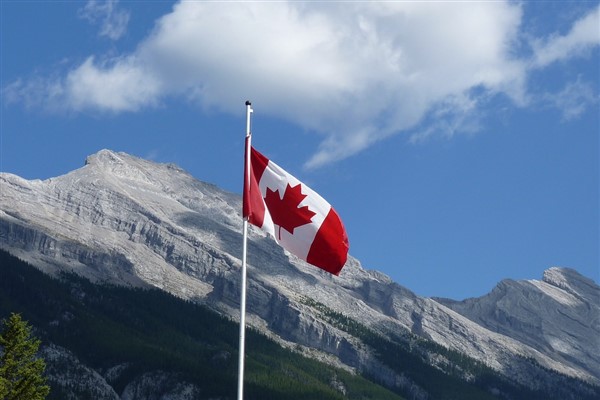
<point x="121" y="219"/>
<point x="549" y="328"/>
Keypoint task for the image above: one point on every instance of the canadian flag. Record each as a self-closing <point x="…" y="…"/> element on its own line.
<point x="300" y="220"/>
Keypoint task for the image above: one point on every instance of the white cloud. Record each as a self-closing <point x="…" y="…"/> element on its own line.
<point x="121" y="86"/>
<point x="36" y="92"/>
<point x="116" y="86"/>
<point x="573" y="100"/>
<point x="113" y="21"/>
<point x="455" y="114"/>
<point x="583" y="36"/>
<point x="355" y="73"/>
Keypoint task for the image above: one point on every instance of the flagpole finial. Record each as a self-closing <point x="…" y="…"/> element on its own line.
<point x="248" y="103"/>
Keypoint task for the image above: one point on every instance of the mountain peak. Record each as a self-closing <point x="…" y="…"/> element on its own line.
<point x="105" y="157"/>
<point x="124" y="166"/>
<point x="569" y="280"/>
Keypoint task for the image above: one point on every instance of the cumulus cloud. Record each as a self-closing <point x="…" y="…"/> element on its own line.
<point x="120" y="86"/>
<point x="112" y="20"/>
<point x="354" y="73"/>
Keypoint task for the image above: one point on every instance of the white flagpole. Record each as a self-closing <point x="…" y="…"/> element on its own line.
<point x="242" y="346"/>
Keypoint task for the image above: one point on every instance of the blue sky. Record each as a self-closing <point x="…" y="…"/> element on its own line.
<point x="458" y="141"/>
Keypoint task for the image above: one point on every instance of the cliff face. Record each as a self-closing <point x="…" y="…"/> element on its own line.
<point x="120" y="219"/>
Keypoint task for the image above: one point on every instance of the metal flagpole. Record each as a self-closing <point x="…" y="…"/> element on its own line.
<point x="240" y="395"/>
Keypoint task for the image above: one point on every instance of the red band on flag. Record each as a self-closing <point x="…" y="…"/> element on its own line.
<point x="329" y="250"/>
<point x="253" y="203"/>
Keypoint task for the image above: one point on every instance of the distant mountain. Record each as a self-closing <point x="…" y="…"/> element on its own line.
<point x="127" y="221"/>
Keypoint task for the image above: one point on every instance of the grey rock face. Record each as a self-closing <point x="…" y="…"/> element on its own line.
<point x="65" y="371"/>
<point x="558" y="316"/>
<point x="124" y="220"/>
<point x="78" y="381"/>
<point x="160" y="385"/>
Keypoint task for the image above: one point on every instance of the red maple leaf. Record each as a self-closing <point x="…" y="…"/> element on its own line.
<point x="285" y="211"/>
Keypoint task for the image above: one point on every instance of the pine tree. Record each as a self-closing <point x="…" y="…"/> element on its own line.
<point x="21" y="371"/>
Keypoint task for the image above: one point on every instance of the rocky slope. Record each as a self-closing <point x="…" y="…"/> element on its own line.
<point x="124" y="220"/>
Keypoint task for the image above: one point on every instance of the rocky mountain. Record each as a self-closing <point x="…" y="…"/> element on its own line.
<point x="128" y="221"/>
<point x="558" y="316"/>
